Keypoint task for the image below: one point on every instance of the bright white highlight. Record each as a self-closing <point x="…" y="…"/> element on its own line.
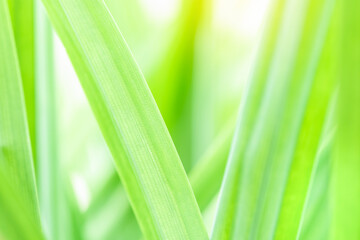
<point x="81" y="190"/>
<point x="161" y="9"/>
<point x="244" y="17"/>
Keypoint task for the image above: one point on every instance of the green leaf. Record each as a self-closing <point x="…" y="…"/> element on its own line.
<point x="205" y="179"/>
<point x="346" y="168"/>
<point x="17" y="219"/>
<point x="143" y="152"/>
<point x="314" y="123"/>
<point x="22" y="15"/>
<point x="172" y="81"/>
<point x="279" y="127"/>
<point x="15" y="153"/>
<point x="316" y="216"/>
<point x="47" y="161"/>
<point x="249" y="104"/>
<point x="206" y="176"/>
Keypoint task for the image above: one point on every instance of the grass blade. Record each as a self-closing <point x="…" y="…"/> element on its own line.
<point x="315" y="119"/>
<point x="22" y="15"/>
<point x="205" y="179"/>
<point x="144" y="154"/>
<point x="316" y="218"/>
<point x="206" y="176"/>
<point x="46" y="145"/>
<point x="15" y="152"/>
<point x="346" y="168"/>
<point x="279" y="128"/>
<point x="226" y="208"/>
<point x="172" y="81"/>
<point x="16" y="219"/>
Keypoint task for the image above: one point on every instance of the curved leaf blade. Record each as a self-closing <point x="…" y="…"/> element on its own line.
<point x="129" y="119"/>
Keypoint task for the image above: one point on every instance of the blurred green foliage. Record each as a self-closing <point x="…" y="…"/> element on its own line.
<point x="247" y="126"/>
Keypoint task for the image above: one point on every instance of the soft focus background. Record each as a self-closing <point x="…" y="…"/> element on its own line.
<point x="195" y="55"/>
<point x="278" y="80"/>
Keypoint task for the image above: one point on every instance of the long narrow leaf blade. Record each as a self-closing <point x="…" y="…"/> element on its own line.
<point x="205" y="179"/>
<point x="172" y="81"/>
<point x="315" y="223"/>
<point x="346" y="169"/>
<point x="206" y="175"/>
<point x="144" y="154"/>
<point x="279" y="128"/>
<point x="16" y="219"/>
<point x="251" y="100"/>
<point x="47" y="161"/>
<point x="319" y="105"/>
<point x="22" y="15"/>
<point x="15" y="152"/>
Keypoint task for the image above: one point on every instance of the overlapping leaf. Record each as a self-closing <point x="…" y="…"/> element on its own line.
<point x="144" y="154"/>
<point x="19" y="208"/>
<point x="279" y="127"/>
<point x="22" y="16"/>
